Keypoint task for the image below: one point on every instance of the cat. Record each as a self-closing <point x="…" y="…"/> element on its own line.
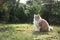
<point x="41" y="24"/>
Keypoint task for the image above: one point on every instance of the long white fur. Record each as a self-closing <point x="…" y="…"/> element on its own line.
<point x="37" y="22"/>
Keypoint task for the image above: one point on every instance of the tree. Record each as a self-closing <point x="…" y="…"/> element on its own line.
<point x="50" y="12"/>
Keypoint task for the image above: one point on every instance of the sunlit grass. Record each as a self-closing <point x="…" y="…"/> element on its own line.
<point x="27" y="32"/>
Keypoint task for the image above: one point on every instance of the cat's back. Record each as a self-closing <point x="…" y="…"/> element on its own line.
<point x="44" y="22"/>
<point x="44" y="25"/>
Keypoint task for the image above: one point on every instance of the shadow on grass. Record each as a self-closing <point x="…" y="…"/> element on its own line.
<point x="20" y="30"/>
<point x="40" y="33"/>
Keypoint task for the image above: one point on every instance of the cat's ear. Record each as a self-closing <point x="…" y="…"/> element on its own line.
<point x="34" y="15"/>
<point x="38" y="15"/>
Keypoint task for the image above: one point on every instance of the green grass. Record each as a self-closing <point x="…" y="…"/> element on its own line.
<point x="27" y="32"/>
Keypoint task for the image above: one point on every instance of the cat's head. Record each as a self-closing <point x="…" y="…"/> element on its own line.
<point x="37" y="17"/>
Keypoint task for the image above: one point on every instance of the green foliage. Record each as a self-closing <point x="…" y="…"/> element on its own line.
<point x="50" y="12"/>
<point x="32" y="9"/>
<point x="11" y="11"/>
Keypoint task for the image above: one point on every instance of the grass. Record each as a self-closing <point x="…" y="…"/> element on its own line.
<point x="27" y="32"/>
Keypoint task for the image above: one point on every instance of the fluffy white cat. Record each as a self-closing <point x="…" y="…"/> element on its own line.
<point x="41" y="24"/>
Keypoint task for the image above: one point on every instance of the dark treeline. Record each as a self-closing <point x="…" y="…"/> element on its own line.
<point x="11" y="11"/>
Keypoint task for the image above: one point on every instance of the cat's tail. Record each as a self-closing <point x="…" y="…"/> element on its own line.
<point x="50" y="28"/>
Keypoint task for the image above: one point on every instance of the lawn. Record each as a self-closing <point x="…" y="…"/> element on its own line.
<point x="27" y="32"/>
